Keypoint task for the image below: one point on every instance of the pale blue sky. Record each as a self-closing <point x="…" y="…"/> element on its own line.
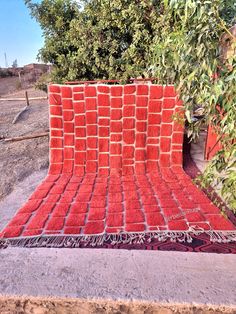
<point x="20" y="35"/>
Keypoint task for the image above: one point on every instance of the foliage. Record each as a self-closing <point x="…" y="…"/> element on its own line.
<point x="174" y="40"/>
<point x="105" y="39"/>
<point x="186" y="52"/>
<point x="5" y="73"/>
<point x="43" y="82"/>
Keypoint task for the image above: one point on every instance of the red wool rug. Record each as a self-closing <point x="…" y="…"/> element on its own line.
<point x="116" y="177"/>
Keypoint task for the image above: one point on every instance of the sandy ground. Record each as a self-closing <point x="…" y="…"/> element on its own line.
<point x="20" y="159"/>
<point x="8" y="85"/>
<point x="77" y="306"/>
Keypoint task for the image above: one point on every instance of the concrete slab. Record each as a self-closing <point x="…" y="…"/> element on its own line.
<point x="171" y="277"/>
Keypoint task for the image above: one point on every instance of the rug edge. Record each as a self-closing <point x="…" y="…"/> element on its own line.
<point x="97" y="240"/>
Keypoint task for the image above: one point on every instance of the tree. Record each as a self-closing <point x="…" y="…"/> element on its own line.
<point x="104" y="40"/>
<point x="174" y="40"/>
<point x="14" y="64"/>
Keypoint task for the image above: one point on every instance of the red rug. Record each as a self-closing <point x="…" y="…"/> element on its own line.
<point x="116" y="175"/>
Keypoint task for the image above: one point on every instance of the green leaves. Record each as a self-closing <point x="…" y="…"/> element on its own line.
<point x="109" y="39"/>
<point x="188" y="116"/>
<point x="186" y="52"/>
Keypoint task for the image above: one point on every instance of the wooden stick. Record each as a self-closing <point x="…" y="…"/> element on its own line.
<point x="22" y="99"/>
<point x="27" y="98"/>
<point x="26" y="137"/>
<point x="20" y="113"/>
<point x="23" y="110"/>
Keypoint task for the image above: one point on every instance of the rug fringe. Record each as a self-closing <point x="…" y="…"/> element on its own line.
<point x="76" y="241"/>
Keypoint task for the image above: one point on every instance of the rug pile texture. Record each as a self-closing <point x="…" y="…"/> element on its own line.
<point x="116" y="175"/>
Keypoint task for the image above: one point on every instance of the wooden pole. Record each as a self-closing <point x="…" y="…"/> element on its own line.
<point x="26" y="137"/>
<point x="22" y="99"/>
<point x="27" y="98"/>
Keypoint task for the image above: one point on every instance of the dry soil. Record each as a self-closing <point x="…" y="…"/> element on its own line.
<point x="20" y="159"/>
<point x="77" y="306"/>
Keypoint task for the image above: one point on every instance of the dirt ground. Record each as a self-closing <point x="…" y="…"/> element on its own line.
<point x="8" y="85"/>
<point x="76" y="306"/>
<point x="20" y="159"/>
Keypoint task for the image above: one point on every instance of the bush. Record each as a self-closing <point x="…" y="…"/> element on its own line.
<point x="188" y="52"/>
<point x="5" y="73"/>
<point x="43" y="82"/>
<point x="104" y="40"/>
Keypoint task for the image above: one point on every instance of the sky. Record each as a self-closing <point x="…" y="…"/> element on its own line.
<point x="20" y="35"/>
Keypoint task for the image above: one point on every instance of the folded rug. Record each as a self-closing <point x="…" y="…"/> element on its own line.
<point x="115" y="174"/>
